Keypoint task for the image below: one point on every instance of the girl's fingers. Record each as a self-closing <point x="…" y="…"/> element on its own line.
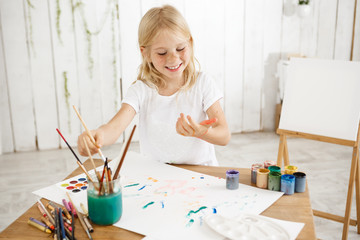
<point x="84" y="137"/>
<point x="178" y="127"/>
<point x="201" y="129"/>
<point x="188" y="129"/>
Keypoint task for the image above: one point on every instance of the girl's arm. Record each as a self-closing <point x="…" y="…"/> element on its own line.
<point x="216" y="133"/>
<point x="108" y="133"/>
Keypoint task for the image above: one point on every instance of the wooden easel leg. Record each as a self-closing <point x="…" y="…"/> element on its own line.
<point x="286" y="153"/>
<point x="281" y="150"/>
<point x="354" y="166"/>
<point x="357" y="186"/>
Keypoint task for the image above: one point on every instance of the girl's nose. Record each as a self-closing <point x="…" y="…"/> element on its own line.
<point x="173" y="57"/>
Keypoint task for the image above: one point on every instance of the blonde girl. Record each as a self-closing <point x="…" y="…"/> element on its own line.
<point x="172" y="99"/>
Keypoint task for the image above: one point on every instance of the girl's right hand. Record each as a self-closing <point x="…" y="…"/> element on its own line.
<point x="98" y="135"/>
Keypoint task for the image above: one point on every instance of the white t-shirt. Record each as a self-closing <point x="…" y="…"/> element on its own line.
<point x="158" y="116"/>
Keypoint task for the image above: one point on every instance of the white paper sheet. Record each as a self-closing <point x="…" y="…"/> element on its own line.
<point x="160" y="200"/>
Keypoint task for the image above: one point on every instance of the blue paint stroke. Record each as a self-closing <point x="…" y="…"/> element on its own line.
<point x="142" y="188"/>
<point x="201" y="177"/>
<point x="214" y="210"/>
<point x="132" y="185"/>
<point x="194" y="212"/>
<point x="190" y="223"/>
<point x="150" y="203"/>
<point x="162" y="204"/>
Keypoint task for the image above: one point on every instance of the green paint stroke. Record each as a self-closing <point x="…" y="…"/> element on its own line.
<point x="190" y="223"/>
<point x="132" y="185"/>
<point x="194" y="212"/>
<point x="150" y="203"/>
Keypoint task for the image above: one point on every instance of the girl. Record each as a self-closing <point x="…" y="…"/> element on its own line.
<point x="168" y="87"/>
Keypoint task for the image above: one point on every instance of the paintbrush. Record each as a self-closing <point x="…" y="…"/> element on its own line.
<point x="103" y="175"/>
<point x="78" y="160"/>
<point x="89" y="134"/>
<point x="91" y="159"/>
<point x="124" y="153"/>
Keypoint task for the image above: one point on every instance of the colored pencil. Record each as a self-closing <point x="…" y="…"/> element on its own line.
<point x="57" y="224"/>
<point x="80" y="218"/>
<point x="47" y="223"/>
<point x="72" y="226"/>
<point x="62" y="232"/>
<point x="38" y="226"/>
<point x="89" y="134"/>
<point x="117" y="171"/>
<point x="78" y="160"/>
<point x="47" y="213"/>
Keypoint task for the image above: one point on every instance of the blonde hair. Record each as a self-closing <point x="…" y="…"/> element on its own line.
<point x="152" y="23"/>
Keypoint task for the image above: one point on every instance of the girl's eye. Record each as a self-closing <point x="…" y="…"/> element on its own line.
<point x="180" y="49"/>
<point x="162" y="54"/>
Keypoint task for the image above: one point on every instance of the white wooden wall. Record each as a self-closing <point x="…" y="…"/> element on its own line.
<point x="48" y="62"/>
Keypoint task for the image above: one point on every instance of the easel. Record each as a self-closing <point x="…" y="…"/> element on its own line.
<point x="311" y="111"/>
<point x="283" y="154"/>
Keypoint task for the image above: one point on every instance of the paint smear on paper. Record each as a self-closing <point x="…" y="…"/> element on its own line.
<point x="190" y="223"/>
<point x="150" y="203"/>
<point x="194" y="212"/>
<point x="142" y="188"/>
<point x="152" y="179"/>
<point x="132" y="185"/>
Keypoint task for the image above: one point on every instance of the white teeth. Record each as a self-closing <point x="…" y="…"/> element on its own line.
<point x="172" y="68"/>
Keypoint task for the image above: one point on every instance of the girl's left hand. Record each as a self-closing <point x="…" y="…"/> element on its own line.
<point x="188" y="127"/>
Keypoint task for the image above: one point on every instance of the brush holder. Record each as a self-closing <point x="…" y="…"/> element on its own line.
<point x="105" y="208"/>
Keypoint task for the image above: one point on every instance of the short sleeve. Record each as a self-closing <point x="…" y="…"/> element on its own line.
<point x="211" y="92"/>
<point x="133" y="95"/>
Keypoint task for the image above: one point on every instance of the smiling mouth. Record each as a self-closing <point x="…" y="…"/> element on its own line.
<point x="175" y="67"/>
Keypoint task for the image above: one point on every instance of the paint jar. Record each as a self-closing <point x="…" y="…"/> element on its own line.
<point x="104" y="208"/>
<point x="300" y="181"/>
<point x="269" y="163"/>
<point x="274" y="182"/>
<point x="232" y="179"/>
<point x="290" y="169"/>
<point x="288" y="184"/>
<point x="274" y="169"/>
<point x="254" y="169"/>
<point x="262" y="176"/>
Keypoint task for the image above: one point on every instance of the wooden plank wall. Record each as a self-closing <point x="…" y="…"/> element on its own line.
<point x="59" y="53"/>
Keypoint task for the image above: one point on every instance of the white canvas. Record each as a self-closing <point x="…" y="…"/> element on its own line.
<point x="322" y="97"/>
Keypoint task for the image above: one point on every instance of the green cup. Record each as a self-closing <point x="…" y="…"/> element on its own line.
<point x="105" y="208"/>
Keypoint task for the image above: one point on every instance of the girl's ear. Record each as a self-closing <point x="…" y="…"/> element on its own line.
<point x="143" y="52"/>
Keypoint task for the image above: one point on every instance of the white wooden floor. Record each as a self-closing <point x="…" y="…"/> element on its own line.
<point x="327" y="167"/>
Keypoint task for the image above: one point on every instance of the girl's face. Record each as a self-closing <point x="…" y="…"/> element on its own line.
<point x="170" y="55"/>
